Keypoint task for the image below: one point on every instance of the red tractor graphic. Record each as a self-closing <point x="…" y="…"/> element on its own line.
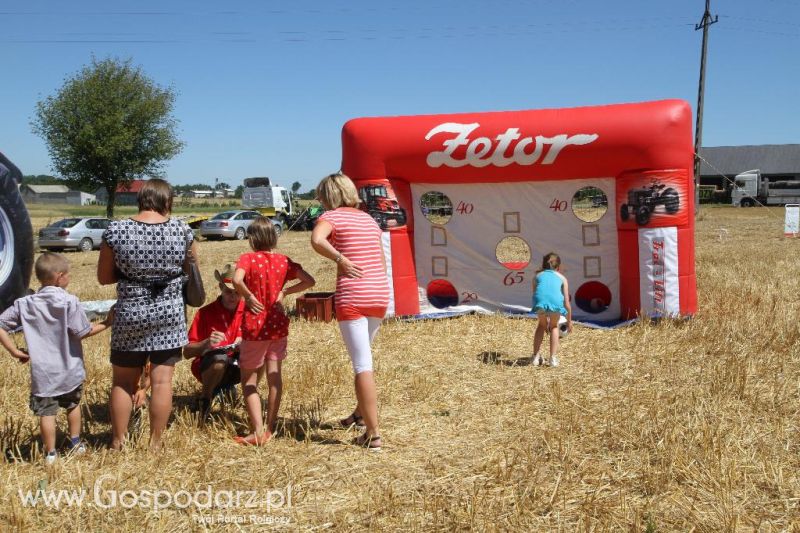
<point x="642" y="202"/>
<point x="376" y="201"/>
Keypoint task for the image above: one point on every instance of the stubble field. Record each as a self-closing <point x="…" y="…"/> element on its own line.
<point x="662" y="427"/>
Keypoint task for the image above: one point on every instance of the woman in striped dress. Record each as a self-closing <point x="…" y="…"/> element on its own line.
<point x="352" y="239"/>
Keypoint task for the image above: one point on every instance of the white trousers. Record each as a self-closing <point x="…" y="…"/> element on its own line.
<point x="358" y="336"/>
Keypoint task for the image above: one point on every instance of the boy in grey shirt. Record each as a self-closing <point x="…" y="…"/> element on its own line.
<point x="53" y="323"/>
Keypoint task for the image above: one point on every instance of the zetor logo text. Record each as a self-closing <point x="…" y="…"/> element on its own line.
<point x="482" y="151"/>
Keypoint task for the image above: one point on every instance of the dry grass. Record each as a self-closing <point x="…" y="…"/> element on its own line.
<point x="588" y="213"/>
<point x="513" y="250"/>
<point x="670" y="426"/>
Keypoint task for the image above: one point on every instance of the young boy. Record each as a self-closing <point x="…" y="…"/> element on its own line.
<point x="217" y="324"/>
<point x="53" y="324"/>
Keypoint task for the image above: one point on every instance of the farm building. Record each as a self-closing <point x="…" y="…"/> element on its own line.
<point x="44" y="194"/>
<point x="80" y="198"/>
<point x="776" y="161"/>
<point x="125" y="194"/>
<point x="201" y="194"/>
<point x="224" y="193"/>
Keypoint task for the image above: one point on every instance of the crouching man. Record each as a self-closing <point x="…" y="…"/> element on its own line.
<point x="214" y="339"/>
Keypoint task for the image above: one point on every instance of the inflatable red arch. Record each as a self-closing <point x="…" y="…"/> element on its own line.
<point x="520" y="174"/>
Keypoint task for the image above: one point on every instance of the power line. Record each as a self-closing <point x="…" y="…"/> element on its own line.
<point x="336" y="35"/>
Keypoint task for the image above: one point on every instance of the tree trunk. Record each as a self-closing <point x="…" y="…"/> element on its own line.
<point x="112" y="199"/>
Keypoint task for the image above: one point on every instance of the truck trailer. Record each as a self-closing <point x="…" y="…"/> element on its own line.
<point x="751" y="188"/>
<point x="260" y="194"/>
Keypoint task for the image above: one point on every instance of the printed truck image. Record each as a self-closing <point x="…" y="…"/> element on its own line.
<point x="642" y="202"/>
<point x="376" y="201"/>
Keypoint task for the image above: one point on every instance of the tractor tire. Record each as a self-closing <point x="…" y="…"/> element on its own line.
<point x="380" y="218"/>
<point x="239" y="235"/>
<point x="642" y="215"/>
<point x="278" y="228"/>
<point x="748" y="202"/>
<point x="16" y="237"/>
<point x="86" y="245"/>
<point x="623" y="212"/>
<point x="672" y="200"/>
<point x="401" y="217"/>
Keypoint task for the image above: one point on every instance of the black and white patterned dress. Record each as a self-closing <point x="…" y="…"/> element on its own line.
<point x="149" y="260"/>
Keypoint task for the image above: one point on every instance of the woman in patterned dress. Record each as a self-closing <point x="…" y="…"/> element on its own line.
<point x="146" y="256"/>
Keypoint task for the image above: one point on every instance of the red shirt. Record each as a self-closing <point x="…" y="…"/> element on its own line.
<point x="265" y="274"/>
<point x="214" y="317"/>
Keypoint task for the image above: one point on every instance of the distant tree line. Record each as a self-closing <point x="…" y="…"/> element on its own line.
<point x="42" y="179"/>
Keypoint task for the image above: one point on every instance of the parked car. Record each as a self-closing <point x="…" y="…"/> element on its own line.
<point x="232" y="225"/>
<point x="82" y="233"/>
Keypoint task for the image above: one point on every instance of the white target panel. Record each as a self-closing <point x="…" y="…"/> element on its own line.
<point x="464" y="245"/>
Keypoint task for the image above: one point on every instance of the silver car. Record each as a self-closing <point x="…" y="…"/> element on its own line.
<point x="232" y="225"/>
<point x="82" y="233"/>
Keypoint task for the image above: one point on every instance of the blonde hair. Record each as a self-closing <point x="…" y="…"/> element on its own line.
<point x="155" y="195"/>
<point x="48" y="265"/>
<point x="262" y="235"/>
<point x="551" y="261"/>
<point x="337" y="190"/>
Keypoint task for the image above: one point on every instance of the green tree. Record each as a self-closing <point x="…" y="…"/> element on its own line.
<point x="41" y="179"/>
<point x="108" y="125"/>
<point x="296" y="186"/>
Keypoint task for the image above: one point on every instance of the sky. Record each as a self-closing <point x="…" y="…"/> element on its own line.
<point x="264" y="87"/>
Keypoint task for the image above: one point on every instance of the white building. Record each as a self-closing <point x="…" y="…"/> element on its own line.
<point x="44" y="194"/>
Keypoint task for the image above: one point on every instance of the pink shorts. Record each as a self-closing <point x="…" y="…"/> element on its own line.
<point x="252" y="354"/>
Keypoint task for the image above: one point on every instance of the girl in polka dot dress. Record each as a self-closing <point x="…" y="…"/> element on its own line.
<point x="260" y="277"/>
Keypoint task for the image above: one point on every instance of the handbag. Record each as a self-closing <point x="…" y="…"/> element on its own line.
<point x="194" y="293"/>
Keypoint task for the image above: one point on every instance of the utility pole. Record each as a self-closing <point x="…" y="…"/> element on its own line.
<point x="705" y="22"/>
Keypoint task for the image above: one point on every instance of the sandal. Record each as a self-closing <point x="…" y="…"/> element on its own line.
<point x="372" y="443"/>
<point x="353" y="420"/>
<point x="254" y="441"/>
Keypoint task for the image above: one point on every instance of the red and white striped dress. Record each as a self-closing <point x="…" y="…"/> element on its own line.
<point x="358" y="237"/>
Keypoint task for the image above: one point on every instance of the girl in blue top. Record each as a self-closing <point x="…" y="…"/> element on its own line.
<point x="550" y="301"/>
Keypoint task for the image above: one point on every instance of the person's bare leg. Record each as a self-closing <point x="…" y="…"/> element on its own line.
<point x="553" y="318"/>
<point x="275" y="382"/>
<point x="367" y="396"/>
<point x="538" y="336"/>
<point x="358" y="336"/>
<point x="357" y="410"/>
<point x="74" y="421"/>
<point x="160" y="402"/>
<point x="47" y="425"/>
<point x="211" y="378"/>
<point x="252" y="401"/>
<point x="124" y="382"/>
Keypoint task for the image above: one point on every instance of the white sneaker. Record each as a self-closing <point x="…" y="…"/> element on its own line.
<point x="554" y="361"/>
<point x="537" y="360"/>
<point x="79" y="448"/>
<point x="50" y="458"/>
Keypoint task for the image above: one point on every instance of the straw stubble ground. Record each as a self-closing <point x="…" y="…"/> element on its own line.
<point x="672" y="426"/>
